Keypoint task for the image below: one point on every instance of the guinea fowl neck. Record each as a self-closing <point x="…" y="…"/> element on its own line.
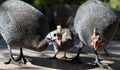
<point x="42" y="46"/>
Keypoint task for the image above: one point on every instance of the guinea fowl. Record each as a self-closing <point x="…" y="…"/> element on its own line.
<point x="95" y="24"/>
<point x="22" y="26"/>
<point x="61" y="39"/>
<point x="70" y="25"/>
<point x="67" y="42"/>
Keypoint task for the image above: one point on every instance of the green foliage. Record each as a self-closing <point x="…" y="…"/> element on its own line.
<point x="114" y="4"/>
<point x="36" y="2"/>
<point x="47" y="3"/>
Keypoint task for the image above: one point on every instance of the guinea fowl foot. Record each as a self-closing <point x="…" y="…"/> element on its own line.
<point x="98" y="64"/>
<point x="64" y="58"/>
<point x="17" y="61"/>
<point x="10" y="61"/>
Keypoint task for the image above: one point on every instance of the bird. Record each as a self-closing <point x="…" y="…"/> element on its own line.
<point x="61" y="39"/>
<point x="95" y="24"/>
<point x="22" y="26"/>
<point x="67" y="42"/>
<point x="70" y="26"/>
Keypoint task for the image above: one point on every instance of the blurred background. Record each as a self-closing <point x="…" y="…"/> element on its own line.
<point x="64" y="9"/>
<point x="47" y="3"/>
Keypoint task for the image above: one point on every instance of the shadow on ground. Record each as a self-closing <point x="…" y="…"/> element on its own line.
<point x="60" y="64"/>
<point x="42" y="59"/>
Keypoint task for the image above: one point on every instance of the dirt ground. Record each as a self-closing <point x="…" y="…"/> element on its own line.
<point x="41" y="61"/>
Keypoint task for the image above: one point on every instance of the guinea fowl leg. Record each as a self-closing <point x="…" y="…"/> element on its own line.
<point x="106" y="52"/>
<point x="64" y="57"/>
<point x="97" y="61"/>
<point x="21" y="58"/>
<point x="77" y="59"/>
<point x="11" y="60"/>
<point x="56" y="50"/>
<point x="17" y="61"/>
<point x="54" y="57"/>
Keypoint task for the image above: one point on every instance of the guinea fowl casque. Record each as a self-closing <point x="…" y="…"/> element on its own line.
<point x="95" y="24"/>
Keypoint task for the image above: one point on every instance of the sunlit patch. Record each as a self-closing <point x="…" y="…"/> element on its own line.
<point x="107" y="62"/>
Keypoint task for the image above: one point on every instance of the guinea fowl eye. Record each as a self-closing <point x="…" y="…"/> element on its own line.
<point x="54" y="34"/>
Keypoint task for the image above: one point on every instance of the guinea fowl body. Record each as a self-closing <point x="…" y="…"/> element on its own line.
<point x="95" y="24"/>
<point x="67" y="40"/>
<point x="94" y="14"/>
<point x="22" y="25"/>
